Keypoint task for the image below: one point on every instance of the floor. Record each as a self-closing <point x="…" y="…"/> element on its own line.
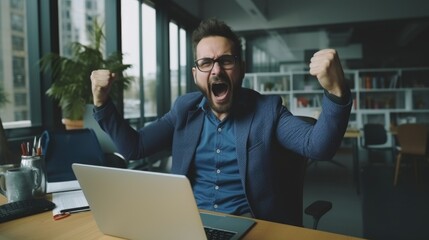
<point x="380" y="211"/>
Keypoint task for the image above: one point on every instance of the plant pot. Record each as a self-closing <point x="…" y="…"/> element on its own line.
<point x="72" y="124"/>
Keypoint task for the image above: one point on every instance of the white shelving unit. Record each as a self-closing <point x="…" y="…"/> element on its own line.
<point x="386" y="96"/>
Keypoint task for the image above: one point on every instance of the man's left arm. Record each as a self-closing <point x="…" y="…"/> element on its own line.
<point x="332" y="123"/>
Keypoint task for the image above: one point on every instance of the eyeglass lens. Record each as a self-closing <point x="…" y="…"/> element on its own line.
<point x="206" y="64"/>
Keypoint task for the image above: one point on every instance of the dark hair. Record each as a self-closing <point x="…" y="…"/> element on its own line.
<point x="214" y="27"/>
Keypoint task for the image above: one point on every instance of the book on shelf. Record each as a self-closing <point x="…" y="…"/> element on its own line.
<point x="394" y="81"/>
<point x="380" y="82"/>
<point x="307" y="102"/>
<point x="367" y="82"/>
<point x="316" y="101"/>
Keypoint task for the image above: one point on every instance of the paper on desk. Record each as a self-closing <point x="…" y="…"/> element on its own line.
<point x="67" y="200"/>
<point x="62" y="186"/>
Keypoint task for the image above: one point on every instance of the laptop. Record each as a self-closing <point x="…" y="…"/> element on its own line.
<point x="137" y="204"/>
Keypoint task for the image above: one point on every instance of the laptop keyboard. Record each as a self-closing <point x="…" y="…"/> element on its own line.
<point x="217" y="234"/>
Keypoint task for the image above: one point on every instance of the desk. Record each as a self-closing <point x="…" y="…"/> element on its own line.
<point x="82" y="226"/>
<point x="354" y="134"/>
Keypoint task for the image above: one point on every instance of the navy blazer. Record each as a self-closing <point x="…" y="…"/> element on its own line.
<point x="262" y="125"/>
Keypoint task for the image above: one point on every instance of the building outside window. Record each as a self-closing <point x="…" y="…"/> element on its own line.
<point x="14" y="77"/>
<point x="76" y="20"/>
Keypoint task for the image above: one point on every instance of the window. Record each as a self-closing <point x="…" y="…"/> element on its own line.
<point x="20" y="99"/>
<point x="25" y="22"/>
<point x="18" y="43"/>
<point x="14" y="77"/>
<point x="140" y="45"/>
<point x="17" y="21"/>
<point x="19" y="56"/>
<point x="142" y="57"/>
<point x="19" y="72"/>
<point x="17" y="4"/>
<point x="178" y="65"/>
<point x="174" y="61"/>
<point x="76" y="18"/>
<point x="183" y="70"/>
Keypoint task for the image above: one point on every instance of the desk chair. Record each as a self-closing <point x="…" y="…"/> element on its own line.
<point x="373" y="140"/>
<point x="413" y="144"/>
<point x="104" y="139"/>
<point x="292" y="168"/>
<point x="157" y="162"/>
<point x="62" y="148"/>
<point x="6" y="155"/>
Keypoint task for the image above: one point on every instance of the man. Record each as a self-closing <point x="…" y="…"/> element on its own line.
<point x="225" y="138"/>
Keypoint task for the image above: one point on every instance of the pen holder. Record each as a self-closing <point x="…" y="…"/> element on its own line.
<point x="38" y="164"/>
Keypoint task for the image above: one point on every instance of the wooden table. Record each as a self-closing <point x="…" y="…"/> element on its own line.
<point x="82" y="226"/>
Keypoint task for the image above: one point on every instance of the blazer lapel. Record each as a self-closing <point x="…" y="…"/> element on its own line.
<point x="243" y="121"/>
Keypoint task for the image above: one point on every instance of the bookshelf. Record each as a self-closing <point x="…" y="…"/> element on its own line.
<point x="388" y="96"/>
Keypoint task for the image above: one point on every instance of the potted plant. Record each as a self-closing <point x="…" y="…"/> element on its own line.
<point x="71" y="84"/>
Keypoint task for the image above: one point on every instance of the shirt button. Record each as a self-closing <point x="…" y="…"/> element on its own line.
<point x="219" y="129"/>
<point x="215" y="206"/>
<point x="217" y="150"/>
<point x="218" y="171"/>
<point x="217" y="187"/>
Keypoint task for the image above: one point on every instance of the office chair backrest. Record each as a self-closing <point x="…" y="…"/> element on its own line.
<point x="104" y="139"/>
<point x="290" y="172"/>
<point x="6" y="155"/>
<point x="291" y="168"/>
<point x="413" y="138"/>
<point x="62" y="148"/>
<point x="308" y="119"/>
<point x="374" y="134"/>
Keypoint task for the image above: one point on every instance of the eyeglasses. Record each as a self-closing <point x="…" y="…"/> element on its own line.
<point x="225" y="61"/>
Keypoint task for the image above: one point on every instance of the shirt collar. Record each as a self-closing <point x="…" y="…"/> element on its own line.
<point x="203" y="105"/>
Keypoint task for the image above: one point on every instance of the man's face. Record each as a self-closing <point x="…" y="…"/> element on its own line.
<point x="219" y="85"/>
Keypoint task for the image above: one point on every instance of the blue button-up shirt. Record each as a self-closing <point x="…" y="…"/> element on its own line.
<point x="216" y="183"/>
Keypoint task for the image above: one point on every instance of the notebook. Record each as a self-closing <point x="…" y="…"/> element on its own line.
<point x="138" y="204"/>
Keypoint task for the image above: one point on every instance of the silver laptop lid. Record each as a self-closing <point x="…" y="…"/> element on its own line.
<point x="140" y="205"/>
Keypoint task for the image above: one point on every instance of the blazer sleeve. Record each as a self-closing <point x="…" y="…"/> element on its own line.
<point x="131" y="143"/>
<point x="319" y="141"/>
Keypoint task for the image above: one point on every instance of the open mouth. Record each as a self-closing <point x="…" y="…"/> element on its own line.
<point x="219" y="89"/>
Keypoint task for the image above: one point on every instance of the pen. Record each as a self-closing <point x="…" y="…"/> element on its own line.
<point x="39" y="149"/>
<point x="75" y="210"/>
<point x="34" y="146"/>
<point x="23" y="149"/>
